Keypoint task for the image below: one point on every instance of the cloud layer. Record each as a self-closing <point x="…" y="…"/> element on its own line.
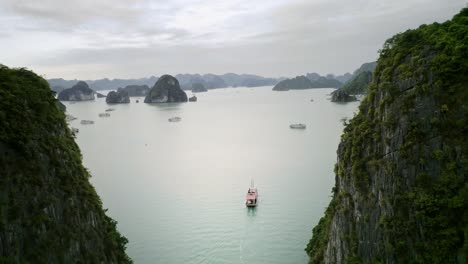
<point x="89" y="39"/>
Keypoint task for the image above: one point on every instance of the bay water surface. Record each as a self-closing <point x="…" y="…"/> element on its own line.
<point x="177" y="189"/>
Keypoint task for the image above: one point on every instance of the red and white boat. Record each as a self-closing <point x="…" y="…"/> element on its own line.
<point x="251" y="199"/>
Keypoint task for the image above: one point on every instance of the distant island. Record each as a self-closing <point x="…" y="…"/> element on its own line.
<point x="166" y="90"/>
<point x="78" y="92"/>
<point x="198" y="87"/>
<point x="118" y="97"/>
<point x="200" y="83"/>
<point x="302" y="82"/>
<point x="136" y="90"/>
<point x="209" y="81"/>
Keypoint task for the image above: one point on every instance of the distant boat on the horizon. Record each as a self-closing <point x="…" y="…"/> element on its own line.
<point x="297" y="126"/>
<point x="174" y="119"/>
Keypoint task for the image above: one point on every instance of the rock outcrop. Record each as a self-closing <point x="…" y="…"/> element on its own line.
<point x="100" y="95"/>
<point x="78" y="92"/>
<point x="401" y="176"/>
<point x="340" y="96"/>
<point x="166" y="90"/>
<point x="299" y="82"/>
<point x="193" y="99"/>
<point x="50" y="213"/>
<point x="198" y="88"/>
<point x="119" y="97"/>
<point x="302" y="82"/>
<point x="136" y="90"/>
<point x="324" y="82"/>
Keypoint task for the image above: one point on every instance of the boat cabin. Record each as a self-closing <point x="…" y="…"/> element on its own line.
<point x="251" y="197"/>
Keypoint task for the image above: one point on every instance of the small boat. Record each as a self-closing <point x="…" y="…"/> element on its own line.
<point x="87" y="122"/>
<point x="174" y="119"/>
<point x="104" y="115"/>
<point x="297" y="126"/>
<point x="251" y="199"/>
<point x="75" y="130"/>
<point x="110" y="109"/>
<point x="311" y="100"/>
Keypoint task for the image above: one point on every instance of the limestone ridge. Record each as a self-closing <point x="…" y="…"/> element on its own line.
<point x="166" y="90"/>
<point x="78" y="92"/>
<point x="341" y="96"/>
<point x="198" y="88"/>
<point x="303" y="82"/>
<point x="401" y="189"/>
<point x="49" y="212"/>
<point x="299" y="82"/>
<point x="136" y="90"/>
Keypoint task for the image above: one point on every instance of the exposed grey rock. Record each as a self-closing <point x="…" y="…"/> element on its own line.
<point x="79" y="92"/>
<point x="119" y="97"/>
<point x="193" y="99"/>
<point x="340" y="96"/>
<point x="166" y="90"/>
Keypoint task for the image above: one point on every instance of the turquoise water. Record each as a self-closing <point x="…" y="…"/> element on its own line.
<point x="177" y="189"/>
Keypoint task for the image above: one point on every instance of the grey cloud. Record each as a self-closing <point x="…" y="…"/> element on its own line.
<point x="73" y="12"/>
<point x="286" y="38"/>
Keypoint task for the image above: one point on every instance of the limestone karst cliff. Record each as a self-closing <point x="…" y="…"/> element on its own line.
<point x="49" y="212"/>
<point x="401" y="192"/>
<point x="78" y="92"/>
<point x="166" y="90"/>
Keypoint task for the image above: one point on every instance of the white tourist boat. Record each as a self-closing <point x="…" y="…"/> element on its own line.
<point x="297" y="126"/>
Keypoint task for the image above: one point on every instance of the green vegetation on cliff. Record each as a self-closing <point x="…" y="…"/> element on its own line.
<point x="359" y="84"/>
<point x="49" y="212"/>
<point x="401" y="192"/>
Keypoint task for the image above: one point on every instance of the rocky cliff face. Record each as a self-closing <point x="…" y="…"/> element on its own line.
<point x="359" y="84"/>
<point x="401" y="192"/>
<point x="340" y="96"/>
<point x="49" y="212"/>
<point x="79" y="92"/>
<point x="119" y="97"/>
<point x="166" y="90"/>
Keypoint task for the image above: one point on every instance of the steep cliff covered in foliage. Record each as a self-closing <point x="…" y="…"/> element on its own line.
<point x="359" y="84"/>
<point x="401" y="192"/>
<point x="49" y="212"/>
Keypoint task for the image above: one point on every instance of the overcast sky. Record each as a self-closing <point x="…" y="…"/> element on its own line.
<point x="90" y="39"/>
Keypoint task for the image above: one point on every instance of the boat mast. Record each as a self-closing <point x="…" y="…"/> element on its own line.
<point x="251" y="183"/>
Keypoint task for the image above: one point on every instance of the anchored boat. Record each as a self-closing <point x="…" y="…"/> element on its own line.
<point x="174" y="119"/>
<point x="251" y="199"/>
<point x="297" y="126"/>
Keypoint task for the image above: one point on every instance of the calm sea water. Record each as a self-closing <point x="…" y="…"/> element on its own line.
<point x="177" y="189"/>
